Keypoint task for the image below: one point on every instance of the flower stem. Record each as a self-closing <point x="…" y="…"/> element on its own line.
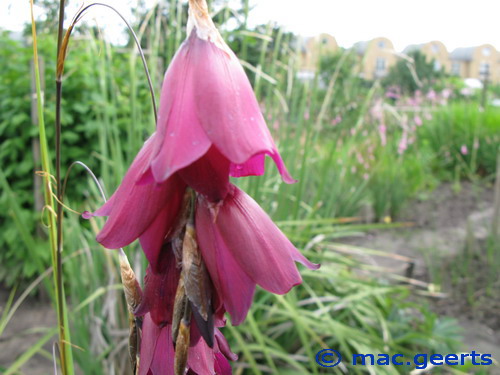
<point x="64" y="337"/>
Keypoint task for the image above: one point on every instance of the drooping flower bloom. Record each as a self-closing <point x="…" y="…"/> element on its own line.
<point x="209" y="128"/>
<point x="464" y="150"/>
<point x="157" y="348"/>
<point x="208" y="105"/>
<point x="242" y="247"/>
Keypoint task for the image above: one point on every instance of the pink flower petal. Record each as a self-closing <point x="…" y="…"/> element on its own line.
<point x="223" y="346"/>
<point x="255" y="166"/>
<point x="209" y="175"/>
<point x="207" y="99"/>
<point x="221" y="365"/>
<point x="157" y="349"/>
<point x="155" y="235"/>
<point x="228" y="109"/>
<point x="135" y="206"/>
<point x="234" y="287"/>
<point x="181" y="138"/>
<point x="159" y="289"/>
<point x="258" y="246"/>
<point x="200" y="356"/>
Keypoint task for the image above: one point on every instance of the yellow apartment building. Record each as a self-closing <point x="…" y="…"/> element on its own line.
<point x="376" y="57"/>
<point x="315" y="47"/>
<point x="476" y="62"/>
<point x="433" y="51"/>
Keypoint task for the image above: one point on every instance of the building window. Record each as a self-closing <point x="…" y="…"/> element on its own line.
<point x="486" y="51"/>
<point x="381" y="44"/>
<point x="484" y="69"/>
<point x="380" y="67"/>
<point x="435" y="48"/>
<point x="437" y="66"/>
<point x="455" y="68"/>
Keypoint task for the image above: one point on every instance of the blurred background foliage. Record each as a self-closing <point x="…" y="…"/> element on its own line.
<point x="353" y="144"/>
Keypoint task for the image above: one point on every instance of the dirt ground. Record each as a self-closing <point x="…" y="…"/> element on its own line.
<point x="445" y="224"/>
<point x="435" y="242"/>
<point x="28" y="325"/>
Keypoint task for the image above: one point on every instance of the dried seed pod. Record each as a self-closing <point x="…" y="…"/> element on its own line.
<point x="180" y="302"/>
<point x="133" y="292"/>
<point x="197" y="285"/>
<point x="177" y="233"/>
<point x="194" y="272"/>
<point x="182" y="343"/>
<point x="133" y="296"/>
<point x="133" y="342"/>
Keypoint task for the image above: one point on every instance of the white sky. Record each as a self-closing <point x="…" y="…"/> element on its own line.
<point x="457" y="23"/>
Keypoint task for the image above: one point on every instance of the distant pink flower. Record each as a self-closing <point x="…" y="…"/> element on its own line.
<point x="428" y="116"/>
<point x="403" y="143"/>
<point x="382" y="132"/>
<point x="307" y="116"/>
<point x="476" y="144"/>
<point x="446" y="93"/>
<point x="431" y="95"/>
<point x="366" y="176"/>
<point x="352" y="131"/>
<point x="464" y="150"/>
<point x="416" y="100"/>
<point x="417" y="120"/>
<point x="466" y="91"/>
<point x="392" y="95"/>
<point x="377" y="110"/>
<point x="336" y="120"/>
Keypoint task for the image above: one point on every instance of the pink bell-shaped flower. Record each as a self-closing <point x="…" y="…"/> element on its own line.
<point x="207" y="102"/>
<point x="242" y="247"/>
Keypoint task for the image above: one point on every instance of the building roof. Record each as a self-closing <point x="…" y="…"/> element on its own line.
<point x="412" y="48"/>
<point x="463" y="54"/>
<point x="360" y="47"/>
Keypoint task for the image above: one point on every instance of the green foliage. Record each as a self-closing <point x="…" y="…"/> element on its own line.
<point x="464" y="139"/>
<point x="92" y="100"/>
<point x="401" y="73"/>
